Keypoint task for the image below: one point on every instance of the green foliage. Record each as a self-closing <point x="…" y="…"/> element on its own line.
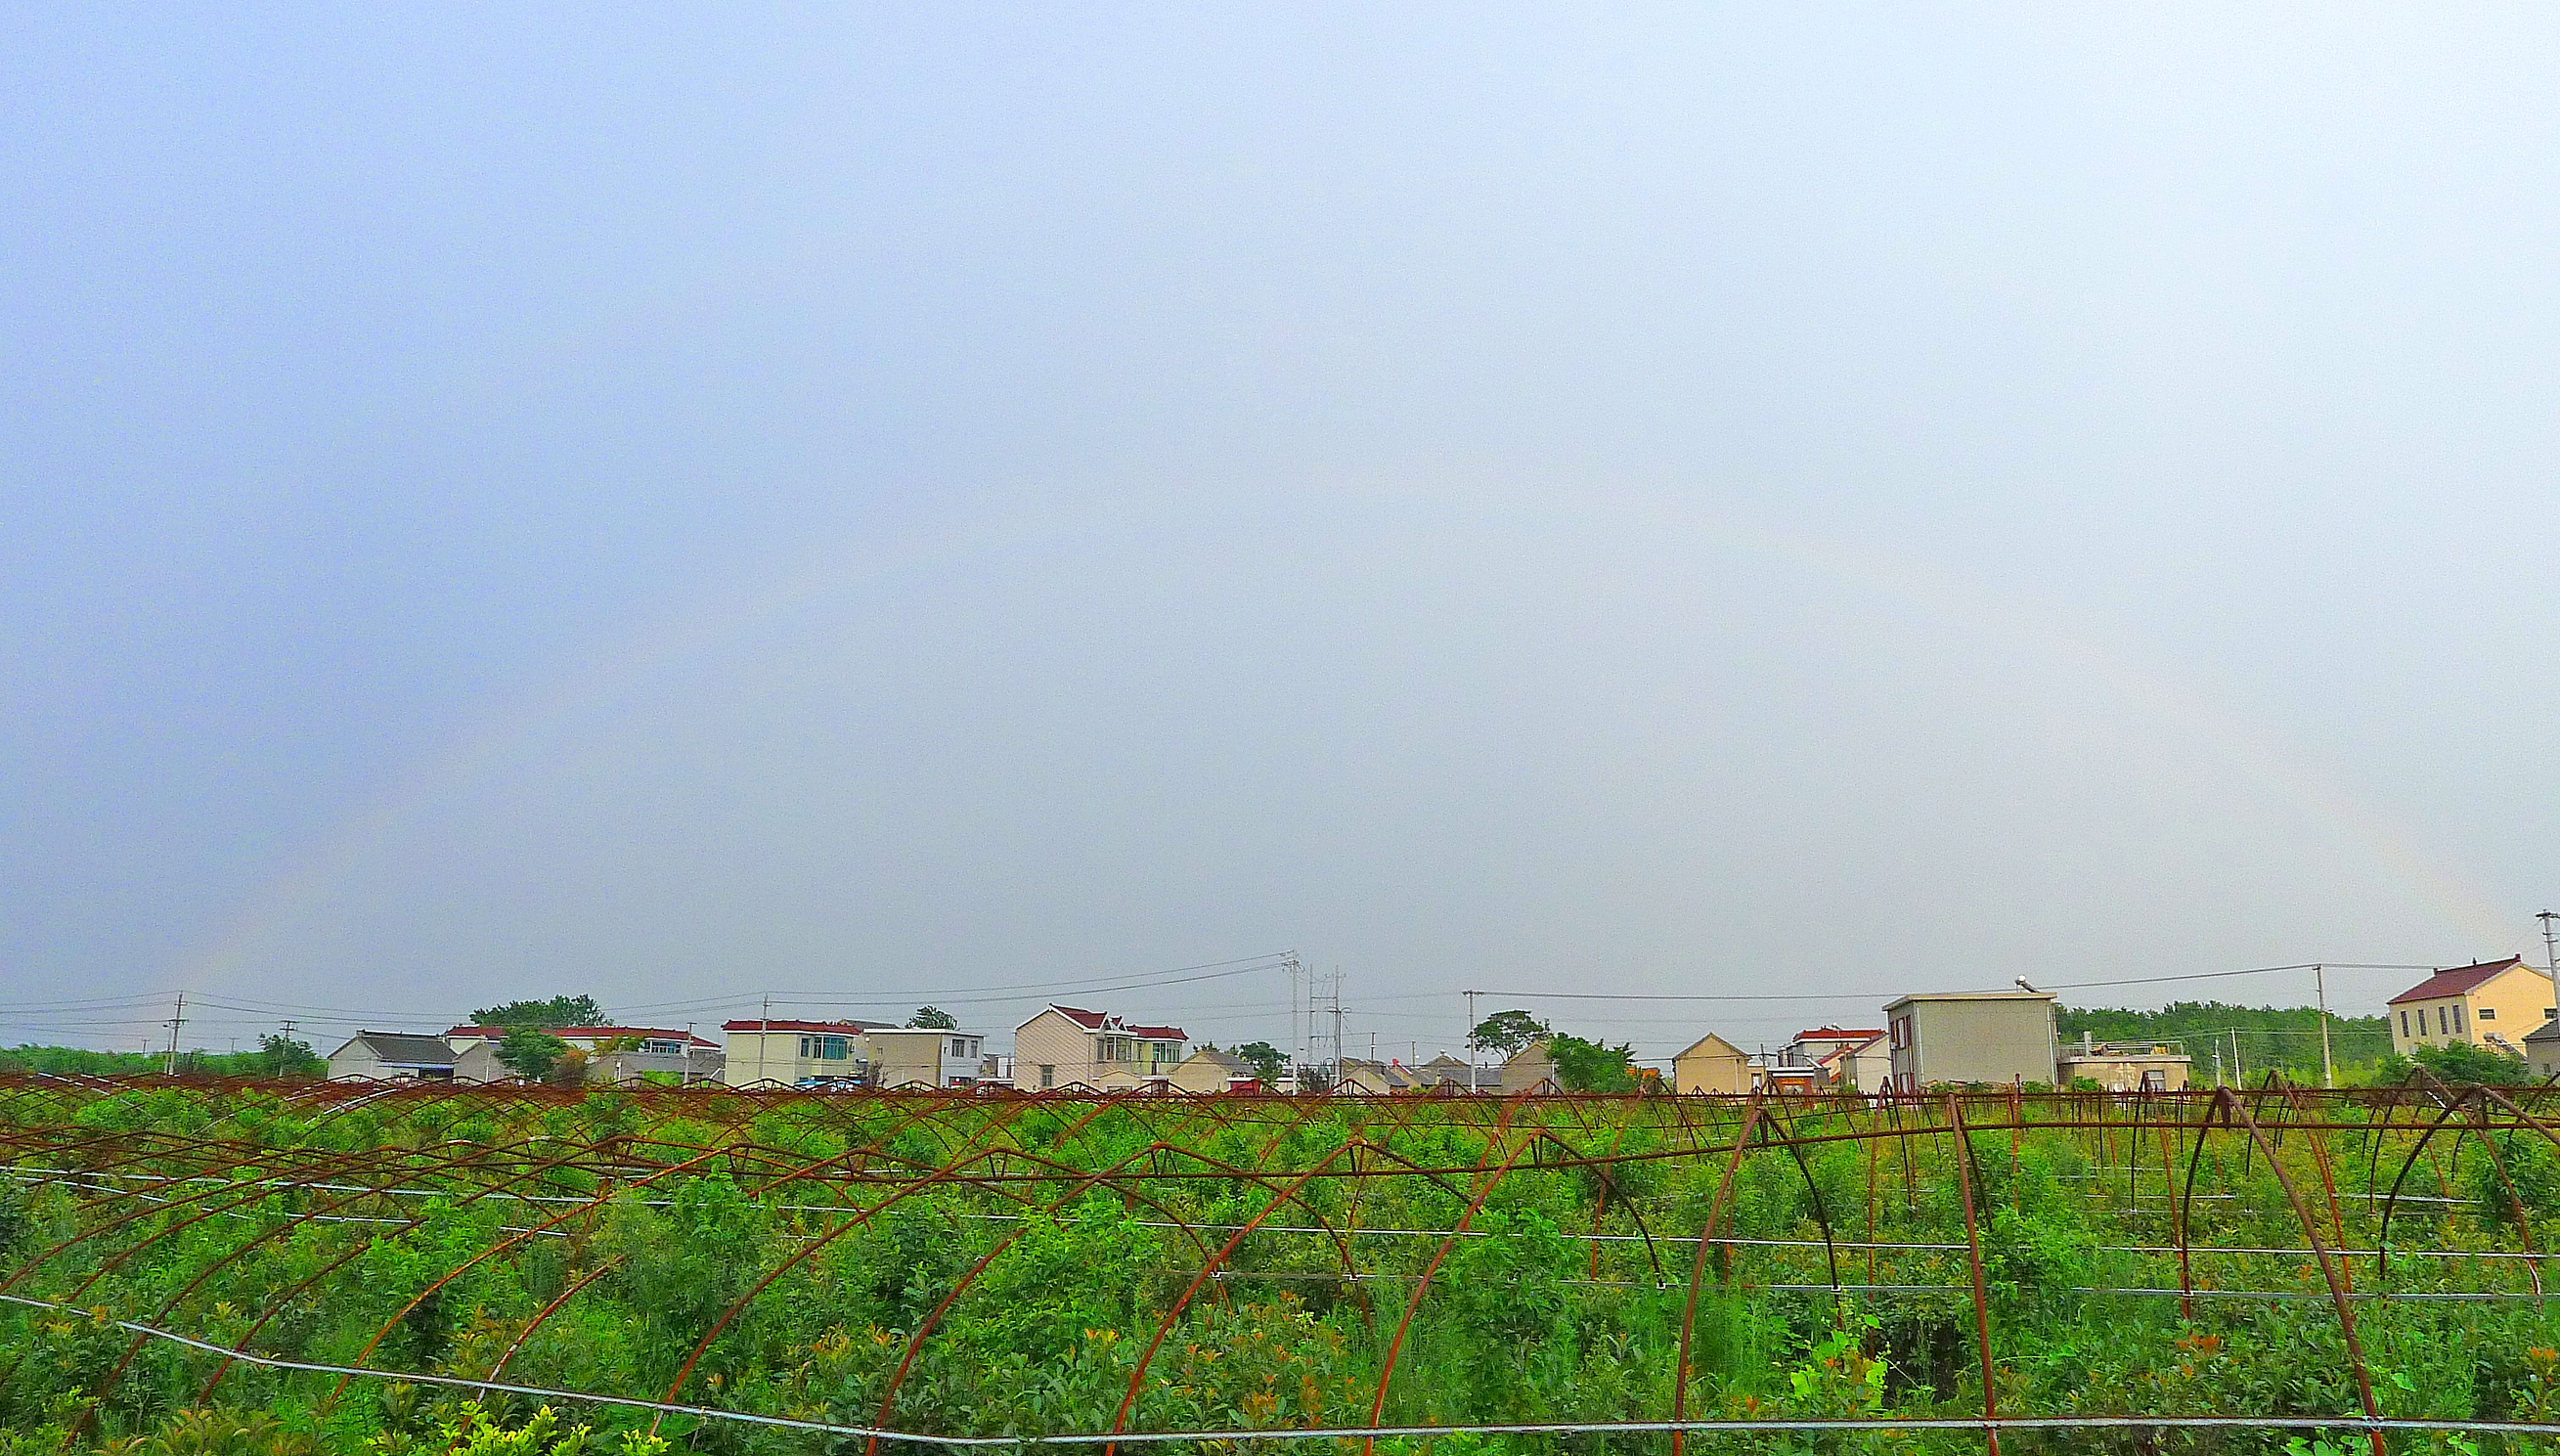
<point x="1267" y="1061"/>
<point x="935" y="1016"/>
<point x="1506" y="1031"/>
<point x="2285" y="1039"/>
<point x="80" y="1062"/>
<point x="1592" y="1066"/>
<point x="557" y="1011"/>
<point x="2459" y="1064"/>
<point x="531" y="1052"/>
<point x="283" y="1056"/>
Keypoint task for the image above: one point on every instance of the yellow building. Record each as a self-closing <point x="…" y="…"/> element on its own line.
<point x="1713" y="1064"/>
<point x="2495" y="1004"/>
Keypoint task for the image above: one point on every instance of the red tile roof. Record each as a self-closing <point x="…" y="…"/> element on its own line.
<point x="841" y="1028"/>
<point x="1837" y="1033"/>
<point x="1103" y="1021"/>
<point x="2455" y="981"/>
<point x="673" y="1034"/>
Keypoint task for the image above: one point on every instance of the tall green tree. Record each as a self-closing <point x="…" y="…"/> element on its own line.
<point x="532" y="1051"/>
<point x="1592" y="1066"/>
<point x="935" y="1016"/>
<point x="1506" y="1031"/>
<point x="558" y="1011"/>
<point x="283" y="1056"/>
<point x="1266" y="1059"/>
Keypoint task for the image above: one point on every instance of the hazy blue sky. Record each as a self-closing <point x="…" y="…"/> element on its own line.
<point x="697" y="503"/>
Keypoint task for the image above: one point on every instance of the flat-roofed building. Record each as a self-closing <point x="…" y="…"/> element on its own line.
<point x="1952" y="1037"/>
<point x="790" y="1052"/>
<point x="925" y="1057"/>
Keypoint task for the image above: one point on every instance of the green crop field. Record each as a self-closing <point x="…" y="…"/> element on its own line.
<point x="285" y="1267"/>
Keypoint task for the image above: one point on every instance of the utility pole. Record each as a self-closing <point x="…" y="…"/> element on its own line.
<point x="2320" y="989"/>
<point x="1471" y="1037"/>
<point x="174" y="1022"/>
<point x="2551" y="942"/>
<point x="1337" y="1023"/>
<point x="280" y="1051"/>
<point x="2239" y="1071"/>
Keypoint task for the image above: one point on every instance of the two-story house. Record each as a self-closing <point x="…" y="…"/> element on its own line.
<point x="2495" y="1004"/>
<point x="791" y="1054"/>
<point x="1068" y="1046"/>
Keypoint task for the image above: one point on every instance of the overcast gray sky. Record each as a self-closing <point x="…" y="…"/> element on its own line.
<point x="1823" y="501"/>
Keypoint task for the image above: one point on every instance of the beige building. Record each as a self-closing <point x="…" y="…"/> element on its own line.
<point x="2541" y="1049"/>
<point x="1212" y="1070"/>
<point x="924" y="1056"/>
<point x="382" y="1057"/>
<point x="1711" y="1066"/>
<point x="790" y="1052"/>
<point x="2495" y="1004"/>
<point x="1067" y="1047"/>
<point x="1864" y="1068"/>
<point x="1530" y="1069"/>
<point x="1952" y="1038"/>
<point x="1366" y="1078"/>
<point x="2126" y="1066"/>
<point x="612" y="1055"/>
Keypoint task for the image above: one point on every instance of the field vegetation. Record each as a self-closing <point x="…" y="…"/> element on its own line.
<point x="408" y="1270"/>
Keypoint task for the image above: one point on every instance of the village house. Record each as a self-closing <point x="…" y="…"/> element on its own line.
<point x="382" y="1057"/>
<point x="1360" y="1077"/>
<point x="1212" y="1070"/>
<point x="613" y="1054"/>
<point x="1837" y="1055"/>
<point x="1711" y="1066"/>
<point x="2542" y="1050"/>
<point x="1446" y="1073"/>
<point x="769" y="1050"/>
<point x="1952" y="1037"/>
<point x="2495" y="1004"/>
<point x="924" y="1056"/>
<point x="2125" y="1066"/>
<point x="1068" y="1046"/>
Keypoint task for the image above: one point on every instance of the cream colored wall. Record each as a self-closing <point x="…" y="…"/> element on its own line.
<point x="1198" y="1072"/>
<point x="2521" y="998"/>
<point x="1716" y="1067"/>
<point x="2124" y="1073"/>
<point x="1053" y="1039"/>
<point x="906" y="1058"/>
<point x="2520" y="994"/>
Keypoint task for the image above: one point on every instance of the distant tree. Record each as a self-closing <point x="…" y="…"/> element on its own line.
<point x="532" y="1051"/>
<point x="1506" y="1031"/>
<point x="283" y="1056"/>
<point x="1265" y="1058"/>
<point x="570" y="1070"/>
<point x="1592" y="1066"/>
<point x="935" y="1017"/>
<point x="560" y="1010"/>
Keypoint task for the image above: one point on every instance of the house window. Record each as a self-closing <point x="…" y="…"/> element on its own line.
<point x="661" y="1047"/>
<point x="1048" y="1075"/>
<point x="2458" y="1018"/>
<point x="959" y="1046"/>
<point x="2488" y="1013"/>
<point x="2155" y="1082"/>
<point x="825" y="1048"/>
<point x="2404" y="1023"/>
<point x="2440" y="1023"/>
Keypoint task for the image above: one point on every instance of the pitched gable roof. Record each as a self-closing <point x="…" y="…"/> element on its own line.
<point x="1103" y="1021"/>
<point x="777" y="1024"/>
<point x="2459" y="980"/>
<point x="401" y="1049"/>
